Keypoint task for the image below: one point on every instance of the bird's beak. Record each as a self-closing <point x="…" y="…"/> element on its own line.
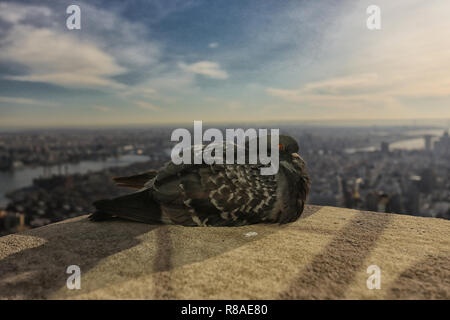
<point x="296" y="155"/>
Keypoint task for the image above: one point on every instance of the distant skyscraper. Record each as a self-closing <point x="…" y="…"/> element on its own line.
<point x="385" y="147"/>
<point x="427" y="142"/>
<point x="427" y="181"/>
<point x="442" y="146"/>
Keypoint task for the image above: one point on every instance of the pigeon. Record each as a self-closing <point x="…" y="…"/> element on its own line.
<point x="214" y="194"/>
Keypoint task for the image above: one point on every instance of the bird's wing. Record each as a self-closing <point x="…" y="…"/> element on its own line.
<point x="217" y="194"/>
<point x="213" y="194"/>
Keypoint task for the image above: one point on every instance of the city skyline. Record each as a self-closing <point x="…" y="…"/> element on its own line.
<point x="162" y="62"/>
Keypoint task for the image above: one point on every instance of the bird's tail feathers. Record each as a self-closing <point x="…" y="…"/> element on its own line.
<point x="137" y="181"/>
<point x="139" y="206"/>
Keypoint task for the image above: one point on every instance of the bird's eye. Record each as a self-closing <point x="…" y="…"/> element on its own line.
<point x="281" y="146"/>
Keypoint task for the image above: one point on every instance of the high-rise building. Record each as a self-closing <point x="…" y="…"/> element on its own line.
<point x="385" y="147"/>
<point x="427" y="142"/>
<point x="442" y="146"/>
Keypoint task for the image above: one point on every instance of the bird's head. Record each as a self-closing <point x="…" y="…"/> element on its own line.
<point x="289" y="151"/>
<point x="287" y="145"/>
<point x="288" y="148"/>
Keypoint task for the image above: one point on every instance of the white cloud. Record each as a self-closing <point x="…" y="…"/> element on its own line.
<point x="352" y="96"/>
<point x="164" y="88"/>
<point x="74" y="59"/>
<point x="213" y="45"/>
<point x="143" y="90"/>
<point x="58" y="58"/>
<point x="14" y="13"/>
<point x="26" y="101"/>
<point x="206" y="68"/>
<point x="147" y="106"/>
<point x="344" y="85"/>
<point x="351" y="87"/>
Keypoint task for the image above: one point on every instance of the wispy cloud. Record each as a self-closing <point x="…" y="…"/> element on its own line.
<point x="213" y="45"/>
<point x="15" y="13"/>
<point x="348" y="87"/>
<point x="147" y="106"/>
<point x="357" y="95"/>
<point x="26" y="101"/>
<point x="206" y="68"/>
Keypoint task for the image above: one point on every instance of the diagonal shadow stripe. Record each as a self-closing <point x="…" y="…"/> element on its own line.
<point x="309" y="210"/>
<point x="332" y="270"/>
<point x="428" y="279"/>
<point x="165" y="253"/>
<point x="40" y="271"/>
<point x="162" y="265"/>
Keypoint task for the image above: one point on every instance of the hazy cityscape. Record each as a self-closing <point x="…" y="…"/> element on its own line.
<point x="51" y="175"/>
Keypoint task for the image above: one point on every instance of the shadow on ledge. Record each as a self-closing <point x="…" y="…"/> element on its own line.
<point x="86" y="244"/>
<point x="323" y="255"/>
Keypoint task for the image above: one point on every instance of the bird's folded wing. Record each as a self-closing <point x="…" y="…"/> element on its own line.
<point x="228" y="194"/>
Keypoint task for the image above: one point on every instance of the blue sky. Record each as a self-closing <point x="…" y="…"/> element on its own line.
<point x="138" y="62"/>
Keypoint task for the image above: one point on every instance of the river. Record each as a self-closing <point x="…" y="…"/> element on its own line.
<point x="416" y="142"/>
<point x="23" y="177"/>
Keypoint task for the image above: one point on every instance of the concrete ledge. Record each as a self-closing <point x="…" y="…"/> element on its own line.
<point x="324" y="255"/>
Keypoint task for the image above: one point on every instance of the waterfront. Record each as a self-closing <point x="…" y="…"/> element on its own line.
<point x="23" y="177"/>
<point x="413" y="140"/>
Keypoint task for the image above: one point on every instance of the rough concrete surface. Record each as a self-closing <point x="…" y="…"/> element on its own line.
<point x="323" y="255"/>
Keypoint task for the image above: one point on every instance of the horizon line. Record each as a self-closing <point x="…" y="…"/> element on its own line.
<point x="363" y="122"/>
